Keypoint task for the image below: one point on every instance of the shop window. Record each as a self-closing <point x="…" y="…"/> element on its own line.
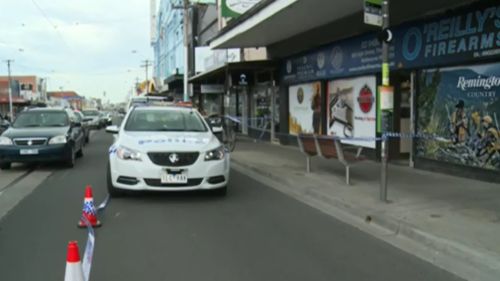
<point x="460" y="108"/>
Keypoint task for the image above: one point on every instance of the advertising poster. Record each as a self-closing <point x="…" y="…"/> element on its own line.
<point x="352" y="109"/>
<point x="305" y="109"/>
<point x="461" y="106"/>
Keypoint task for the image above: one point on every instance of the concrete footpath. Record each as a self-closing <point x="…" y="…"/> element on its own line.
<point x="449" y="221"/>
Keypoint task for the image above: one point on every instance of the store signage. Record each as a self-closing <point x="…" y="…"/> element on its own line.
<point x="461" y="105"/>
<point x="235" y="8"/>
<point x="373" y="12"/>
<point x="212" y="88"/>
<point x="218" y="58"/>
<point x="305" y="109"/>
<point x="350" y="110"/>
<point x="471" y="34"/>
<point x="386" y="97"/>
<point x="365" y="99"/>
<point x="466" y="36"/>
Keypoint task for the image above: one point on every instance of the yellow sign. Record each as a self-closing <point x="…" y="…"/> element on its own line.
<point x="385" y="74"/>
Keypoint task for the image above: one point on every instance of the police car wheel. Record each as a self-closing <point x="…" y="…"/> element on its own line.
<point x="112" y="191"/>
<point x="220" y="191"/>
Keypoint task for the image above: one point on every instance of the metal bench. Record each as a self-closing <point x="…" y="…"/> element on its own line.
<point x="330" y="148"/>
<point x="307" y="144"/>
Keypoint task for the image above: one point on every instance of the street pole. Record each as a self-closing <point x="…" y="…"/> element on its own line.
<point x="186" y="50"/>
<point x="147" y="64"/>
<point x="10" y="91"/>
<point x="385" y="117"/>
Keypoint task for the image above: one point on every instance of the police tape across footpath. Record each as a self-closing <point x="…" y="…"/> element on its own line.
<point x="383" y="137"/>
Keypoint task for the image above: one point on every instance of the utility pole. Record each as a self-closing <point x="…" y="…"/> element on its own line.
<point x="186" y="49"/>
<point x="386" y="114"/>
<point x="146" y="65"/>
<point x="10" y="90"/>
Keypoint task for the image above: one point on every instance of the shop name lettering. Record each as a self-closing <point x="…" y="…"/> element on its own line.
<point x="479" y="82"/>
<point x="455" y="35"/>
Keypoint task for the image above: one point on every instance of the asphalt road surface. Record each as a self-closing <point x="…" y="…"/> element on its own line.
<point x="255" y="233"/>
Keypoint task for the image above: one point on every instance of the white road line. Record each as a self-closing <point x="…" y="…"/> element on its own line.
<point x="13" y="195"/>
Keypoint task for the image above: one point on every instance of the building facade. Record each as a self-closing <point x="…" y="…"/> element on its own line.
<point x="444" y="73"/>
<point x="25" y="90"/>
<point x="66" y="98"/>
<point x="168" y="45"/>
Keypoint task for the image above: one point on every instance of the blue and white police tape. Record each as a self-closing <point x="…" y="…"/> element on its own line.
<point x="89" y="247"/>
<point x="89" y="250"/>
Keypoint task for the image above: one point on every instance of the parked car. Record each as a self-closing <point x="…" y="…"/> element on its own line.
<point x="108" y="118"/>
<point x="92" y="117"/>
<point x="85" y="125"/>
<point x="42" y="135"/>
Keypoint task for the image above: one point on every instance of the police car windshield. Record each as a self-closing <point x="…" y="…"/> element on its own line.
<point x="41" y="119"/>
<point x="164" y="121"/>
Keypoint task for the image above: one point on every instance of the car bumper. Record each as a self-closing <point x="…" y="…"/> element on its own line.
<point x="134" y="175"/>
<point x="49" y="153"/>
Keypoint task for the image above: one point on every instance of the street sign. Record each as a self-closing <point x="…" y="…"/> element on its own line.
<point x="386" y="97"/>
<point x="373" y="12"/>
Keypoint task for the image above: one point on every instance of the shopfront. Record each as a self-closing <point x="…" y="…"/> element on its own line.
<point x="446" y="79"/>
<point x="243" y="91"/>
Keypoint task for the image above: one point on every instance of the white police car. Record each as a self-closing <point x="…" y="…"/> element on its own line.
<point x="166" y="148"/>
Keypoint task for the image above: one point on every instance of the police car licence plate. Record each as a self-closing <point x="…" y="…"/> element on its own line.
<point x="170" y="178"/>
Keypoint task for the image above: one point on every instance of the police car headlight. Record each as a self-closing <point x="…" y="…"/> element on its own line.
<point x="128" y="154"/>
<point x="5" y="141"/>
<point x="216" y="154"/>
<point x="58" y="140"/>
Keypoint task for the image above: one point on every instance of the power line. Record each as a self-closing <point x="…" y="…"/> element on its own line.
<point x="50" y="22"/>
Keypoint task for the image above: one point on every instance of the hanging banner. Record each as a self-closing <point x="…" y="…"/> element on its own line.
<point x="235" y="8"/>
<point x="305" y="109"/>
<point x="461" y="105"/>
<point x="352" y="110"/>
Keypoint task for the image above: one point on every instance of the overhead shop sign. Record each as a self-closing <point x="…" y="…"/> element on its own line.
<point x="235" y="8"/>
<point x="472" y="33"/>
<point x="466" y="36"/>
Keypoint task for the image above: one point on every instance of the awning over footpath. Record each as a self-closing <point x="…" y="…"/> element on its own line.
<point x="272" y="21"/>
<point x="219" y="74"/>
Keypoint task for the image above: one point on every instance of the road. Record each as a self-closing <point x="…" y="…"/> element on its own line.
<point x="255" y="233"/>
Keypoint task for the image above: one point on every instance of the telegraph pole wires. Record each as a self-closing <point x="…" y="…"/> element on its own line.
<point x="146" y="64"/>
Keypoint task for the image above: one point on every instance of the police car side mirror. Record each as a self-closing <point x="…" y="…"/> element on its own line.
<point x="112" y="129"/>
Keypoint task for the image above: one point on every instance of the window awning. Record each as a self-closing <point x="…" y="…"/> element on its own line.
<point x="272" y="21"/>
<point x="219" y="74"/>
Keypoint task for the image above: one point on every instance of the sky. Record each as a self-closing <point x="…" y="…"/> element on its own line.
<point x="88" y="46"/>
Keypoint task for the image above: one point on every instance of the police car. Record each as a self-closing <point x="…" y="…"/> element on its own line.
<point x="166" y="148"/>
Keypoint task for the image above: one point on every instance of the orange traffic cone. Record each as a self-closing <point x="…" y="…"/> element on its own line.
<point x="74" y="270"/>
<point x="89" y="211"/>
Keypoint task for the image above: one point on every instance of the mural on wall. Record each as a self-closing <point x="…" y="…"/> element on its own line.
<point x="352" y="110"/>
<point x="305" y="109"/>
<point x="461" y="105"/>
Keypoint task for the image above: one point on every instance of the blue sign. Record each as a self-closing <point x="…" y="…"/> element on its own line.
<point x="356" y="56"/>
<point x="470" y="34"/>
<point x="462" y="37"/>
